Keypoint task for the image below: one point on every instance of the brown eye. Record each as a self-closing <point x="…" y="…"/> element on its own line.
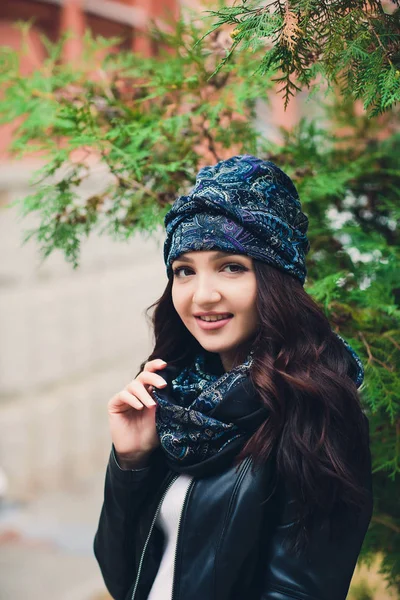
<point x="236" y="266"/>
<point x="177" y="271"/>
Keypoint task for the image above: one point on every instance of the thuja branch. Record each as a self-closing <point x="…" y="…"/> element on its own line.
<point x="386" y="521"/>
<point x="372" y="358"/>
<point x="355" y="45"/>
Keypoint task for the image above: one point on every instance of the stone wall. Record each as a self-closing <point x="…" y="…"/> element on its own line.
<point x="69" y="340"/>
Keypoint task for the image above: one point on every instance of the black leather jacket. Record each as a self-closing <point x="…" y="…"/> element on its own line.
<point x="231" y="539"/>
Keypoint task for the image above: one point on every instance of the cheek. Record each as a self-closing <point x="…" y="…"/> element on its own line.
<point x="249" y="313"/>
<point x="175" y="299"/>
<point x="179" y="300"/>
<point x="247" y="296"/>
<point x="248" y="307"/>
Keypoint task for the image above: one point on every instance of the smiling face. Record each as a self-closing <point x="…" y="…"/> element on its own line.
<point x="217" y="282"/>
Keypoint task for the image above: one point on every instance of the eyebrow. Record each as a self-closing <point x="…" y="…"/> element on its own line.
<point x="217" y="256"/>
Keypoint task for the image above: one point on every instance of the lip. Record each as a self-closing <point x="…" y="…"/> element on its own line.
<point x="211" y="313"/>
<point x="206" y="325"/>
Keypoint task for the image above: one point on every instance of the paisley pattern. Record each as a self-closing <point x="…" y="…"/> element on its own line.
<point x="241" y="205"/>
<point x="359" y="377"/>
<point x="187" y="432"/>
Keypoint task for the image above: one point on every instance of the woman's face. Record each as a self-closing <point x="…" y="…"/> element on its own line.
<point x="216" y="282"/>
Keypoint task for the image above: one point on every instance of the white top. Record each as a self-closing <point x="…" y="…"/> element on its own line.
<point x="168" y="520"/>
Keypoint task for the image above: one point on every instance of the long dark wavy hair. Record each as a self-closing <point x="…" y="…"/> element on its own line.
<point x="305" y="378"/>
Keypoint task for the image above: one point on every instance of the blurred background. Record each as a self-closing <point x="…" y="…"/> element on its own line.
<point x="69" y="339"/>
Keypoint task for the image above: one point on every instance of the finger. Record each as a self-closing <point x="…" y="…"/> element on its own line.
<point x="151" y="379"/>
<point x="154" y="365"/>
<point x="125" y="397"/>
<point x="137" y="388"/>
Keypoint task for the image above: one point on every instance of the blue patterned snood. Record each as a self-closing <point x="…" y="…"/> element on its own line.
<point x="242" y="205"/>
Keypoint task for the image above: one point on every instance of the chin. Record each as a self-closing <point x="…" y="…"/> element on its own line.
<point x="218" y="348"/>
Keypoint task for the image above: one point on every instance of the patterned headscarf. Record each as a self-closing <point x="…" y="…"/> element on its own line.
<point x="241" y="205"/>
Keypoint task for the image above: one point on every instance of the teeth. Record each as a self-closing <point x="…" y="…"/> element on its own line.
<point x="214" y="318"/>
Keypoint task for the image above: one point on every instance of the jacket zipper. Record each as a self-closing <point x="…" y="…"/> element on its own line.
<point x="244" y="467"/>
<point x="149" y="534"/>
<point x="183" y="511"/>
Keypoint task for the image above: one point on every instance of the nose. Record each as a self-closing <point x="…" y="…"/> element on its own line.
<point x="205" y="292"/>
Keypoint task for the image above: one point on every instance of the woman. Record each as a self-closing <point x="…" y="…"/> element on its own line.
<point x="240" y="465"/>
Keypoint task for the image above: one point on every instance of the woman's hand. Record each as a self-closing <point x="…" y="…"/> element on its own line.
<point x="132" y="417"/>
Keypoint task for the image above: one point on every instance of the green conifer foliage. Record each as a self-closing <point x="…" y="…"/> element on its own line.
<point x="151" y="123"/>
<point x="131" y="113"/>
<point x="354" y="43"/>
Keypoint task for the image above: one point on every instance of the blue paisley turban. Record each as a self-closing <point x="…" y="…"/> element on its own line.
<point x="242" y="205"/>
